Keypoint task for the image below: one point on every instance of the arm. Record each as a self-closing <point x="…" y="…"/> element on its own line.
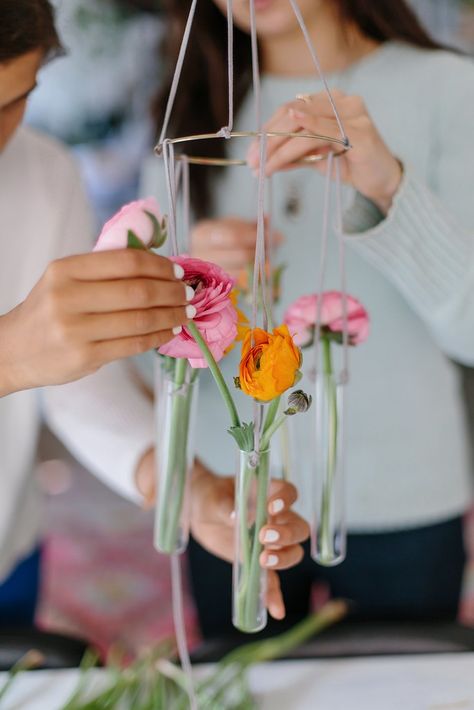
<point x="105" y="419"/>
<point x="419" y="235"/>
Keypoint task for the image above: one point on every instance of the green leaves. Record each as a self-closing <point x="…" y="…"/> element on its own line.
<point x="134" y="242"/>
<point x="160" y="230"/>
<point x="160" y="233"/>
<point x="244" y="436"/>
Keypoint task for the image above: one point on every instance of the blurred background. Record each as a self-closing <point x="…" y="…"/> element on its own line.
<point x="103" y="579"/>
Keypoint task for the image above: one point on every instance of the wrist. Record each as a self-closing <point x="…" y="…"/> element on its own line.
<point x="384" y="199"/>
<point x="9" y="380"/>
<point x="200" y="474"/>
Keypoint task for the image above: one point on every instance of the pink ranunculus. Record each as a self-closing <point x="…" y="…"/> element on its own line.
<point x="216" y="317"/>
<point x="301" y="316"/>
<point x="141" y="218"/>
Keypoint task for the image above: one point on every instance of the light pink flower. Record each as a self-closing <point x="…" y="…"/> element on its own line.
<point x="301" y="316"/>
<point x="141" y="218"/>
<point x="216" y="317"/>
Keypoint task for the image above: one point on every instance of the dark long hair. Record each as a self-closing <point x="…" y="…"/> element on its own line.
<point x="26" y="25"/>
<point x="201" y="101"/>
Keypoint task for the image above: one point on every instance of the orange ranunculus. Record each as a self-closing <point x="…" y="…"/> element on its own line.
<point x="268" y="367"/>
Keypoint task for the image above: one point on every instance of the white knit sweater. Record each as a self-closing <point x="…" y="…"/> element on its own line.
<point x="104" y="419"/>
<point x="407" y="462"/>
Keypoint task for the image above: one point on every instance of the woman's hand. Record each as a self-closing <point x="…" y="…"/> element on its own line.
<point x="369" y="165"/>
<point x="86" y="311"/>
<point x="212" y="525"/>
<point x="228" y="242"/>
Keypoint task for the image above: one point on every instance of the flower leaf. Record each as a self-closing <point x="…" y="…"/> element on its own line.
<point x="134" y="242"/>
<point x="159" y="230"/>
<point x="244" y="436"/>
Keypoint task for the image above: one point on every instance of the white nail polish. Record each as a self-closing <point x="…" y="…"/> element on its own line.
<point x="189" y="293"/>
<point x="177" y="330"/>
<point x="178" y="271"/>
<point x="190" y="311"/>
<point x="272" y="561"/>
<point x="277" y="506"/>
<point x="271" y="536"/>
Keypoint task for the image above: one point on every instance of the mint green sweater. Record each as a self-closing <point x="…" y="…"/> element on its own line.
<point x="407" y="462"/>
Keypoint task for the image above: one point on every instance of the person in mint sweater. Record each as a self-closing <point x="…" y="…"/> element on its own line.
<point x="408" y="108"/>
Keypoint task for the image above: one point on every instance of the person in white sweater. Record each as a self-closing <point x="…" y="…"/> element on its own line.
<point x="408" y="108"/>
<point x="68" y="325"/>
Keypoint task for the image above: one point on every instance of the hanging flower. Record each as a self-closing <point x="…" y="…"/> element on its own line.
<point x="301" y="317"/>
<point x="216" y="316"/>
<point x="138" y="225"/>
<point x="270" y="363"/>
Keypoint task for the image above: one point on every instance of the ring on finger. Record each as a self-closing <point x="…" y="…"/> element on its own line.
<point x="307" y="98"/>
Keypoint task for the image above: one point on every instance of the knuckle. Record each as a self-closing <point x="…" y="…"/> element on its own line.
<point x="140" y="293"/>
<point x="85" y="358"/>
<point x="355" y="102"/>
<point x="142" y="343"/>
<point x="144" y="321"/>
<point x="53" y="271"/>
<point x="133" y="259"/>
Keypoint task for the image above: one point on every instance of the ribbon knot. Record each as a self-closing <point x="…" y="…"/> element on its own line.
<point x="225" y="132"/>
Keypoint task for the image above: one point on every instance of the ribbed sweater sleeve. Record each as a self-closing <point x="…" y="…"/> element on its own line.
<point x="424" y="246"/>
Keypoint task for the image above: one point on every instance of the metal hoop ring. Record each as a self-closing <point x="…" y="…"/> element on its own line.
<point x="342" y="143"/>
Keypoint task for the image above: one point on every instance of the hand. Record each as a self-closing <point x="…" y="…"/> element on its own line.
<point x="212" y="525"/>
<point x="369" y="166"/>
<point x="229" y="243"/>
<point x="86" y="311"/>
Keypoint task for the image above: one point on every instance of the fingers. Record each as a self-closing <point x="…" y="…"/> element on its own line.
<point x="227" y="234"/>
<point x="124" y="324"/>
<point x="125" y="294"/>
<point x="282" y="559"/>
<point x="275" y="604"/>
<point x="110" y="350"/>
<point x="118" y="264"/>
<point x="282" y="495"/>
<point x="283" y="121"/>
<point x="295" y="149"/>
<point x="283" y="530"/>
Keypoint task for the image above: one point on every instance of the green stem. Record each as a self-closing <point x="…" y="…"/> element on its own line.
<point x="327" y="542"/>
<point x="262" y="651"/>
<point x="272" y="429"/>
<point x="248" y="597"/>
<point x="217" y="374"/>
<point x="271" y="413"/>
<point x="173" y="483"/>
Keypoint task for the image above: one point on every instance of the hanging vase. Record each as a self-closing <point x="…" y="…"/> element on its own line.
<point x="176" y="395"/>
<point x="249" y="612"/>
<point x="328" y="534"/>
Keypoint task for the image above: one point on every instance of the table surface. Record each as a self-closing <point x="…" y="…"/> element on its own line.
<point x="440" y="682"/>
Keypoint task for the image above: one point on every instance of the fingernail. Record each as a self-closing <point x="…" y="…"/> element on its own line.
<point x="190" y="293"/>
<point x="178" y="271"/>
<point x="190" y="311"/>
<point x="277" y="506"/>
<point x="272" y="561"/>
<point x="177" y="330"/>
<point x="271" y="536"/>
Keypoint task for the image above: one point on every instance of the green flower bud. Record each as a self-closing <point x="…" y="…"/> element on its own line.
<point x="298" y="402"/>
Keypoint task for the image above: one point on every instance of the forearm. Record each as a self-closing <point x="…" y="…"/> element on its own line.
<point x="426" y="254"/>
<point x="107" y="423"/>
